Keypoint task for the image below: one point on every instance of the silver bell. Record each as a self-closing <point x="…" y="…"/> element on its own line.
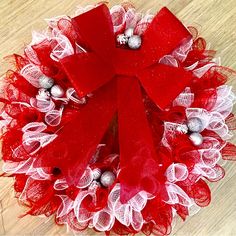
<point x="122" y="39"/>
<point x="135" y="42"/>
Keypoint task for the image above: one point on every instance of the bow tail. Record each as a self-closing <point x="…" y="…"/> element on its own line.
<point x="164" y="83"/>
<point x="77" y="141"/>
<point x="137" y="154"/>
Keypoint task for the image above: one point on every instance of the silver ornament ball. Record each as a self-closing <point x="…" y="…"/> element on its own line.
<point x="129" y="32"/>
<point x="97" y="173"/>
<point x="45" y="82"/>
<point x="135" y="42"/>
<point x="122" y="39"/>
<point x="195" y="124"/>
<point x="107" y="178"/>
<point x="57" y="91"/>
<point x="196" y="139"/>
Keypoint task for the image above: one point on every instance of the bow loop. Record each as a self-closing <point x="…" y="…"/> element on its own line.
<point x="86" y="72"/>
<point x="96" y="29"/>
<point x="163" y="83"/>
<point x="164" y="34"/>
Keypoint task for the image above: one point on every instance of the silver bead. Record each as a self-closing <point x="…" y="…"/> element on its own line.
<point x="97" y="173"/>
<point x="129" y="32"/>
<point x="135" y="42"/>
<point x="45" y="82"/>
<point x="196" y="139"/>
<point x="195" y="125"/>
<point x="94" y="185"/>
<point x="182" y="129"/>
<point x="122" y="39"/>
<point x="107" y="178"/>
<point x="57" y="91"/>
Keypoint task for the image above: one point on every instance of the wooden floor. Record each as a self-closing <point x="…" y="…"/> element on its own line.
<point x="217" y="21"/>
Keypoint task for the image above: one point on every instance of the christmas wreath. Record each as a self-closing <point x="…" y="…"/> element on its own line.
<point x="116" y="121"/>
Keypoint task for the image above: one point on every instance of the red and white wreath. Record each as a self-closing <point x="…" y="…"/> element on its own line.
<point x="116" y="121"/>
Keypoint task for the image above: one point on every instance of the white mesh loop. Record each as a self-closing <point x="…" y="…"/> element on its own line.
<point x="169" y="60"/>
<point x="33" y="139"/>
<point x="42" y="105"/>
<point x="205" y="171"/>
<point x="60" y="184"/>
<point x="193" y="209"/>
<point x="171" y="130"/>
<point x="31" y="55"/>
<point x="210" y="157"/>
<point x="103" y="220"/>
<point x="72" y="95"/>
<point x="129" y="213"/>
<point x="82" y="214"/>
<point x="136" y="220"/>
<point x="143" y="24"/>
<point x="122" y="213"/>
<point x="53" y="118"/>
<point x="17" y="167"/>
<point x="176" y="172"/>
<point x="5" y="119"/>
<point x="182" y="51"/>
<point x="86" y="178"/>
<point x="114" y="197"/>
<point x="53" y="22"/>
<point x="217" y="124"/>
<point x="118" y="16"/>
<point x="199" y="72"/>
<point x="225" y="100"/>
<point x="38" y="37"/>
<point x="139" y="201"/>
<point x="34" y="127"/>
<point x="132" y="18"/>
<point x="65" y="207"/>
<point x="63" y="47"/>
<point x="191" y="67"/>
<point x="27" y="148"/>
<point x="184" y="99"/>
<point x="40" y="174"/>
<point x="43" y="138"/>
<point x="177" y="195"/>
<point x="32" y="74"/>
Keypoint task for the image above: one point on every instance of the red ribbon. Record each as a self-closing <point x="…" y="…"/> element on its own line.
<point x="115" y="77"/>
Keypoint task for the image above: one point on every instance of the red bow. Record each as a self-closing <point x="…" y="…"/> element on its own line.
<point x="115" y="77"/>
